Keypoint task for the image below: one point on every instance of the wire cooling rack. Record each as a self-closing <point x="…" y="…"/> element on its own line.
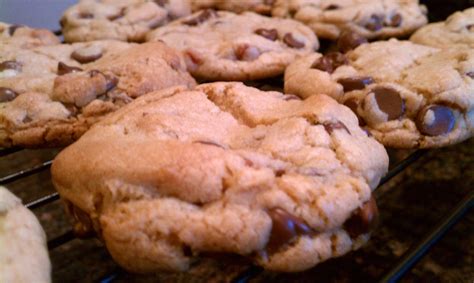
<point x="398" y="270"/>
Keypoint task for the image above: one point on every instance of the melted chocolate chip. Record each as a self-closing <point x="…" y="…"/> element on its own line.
<point x="7" y="94"/>
<point x="285" y="227"/>
<point x="288" y="97"/>
<point x="349" y="40"/>
<point x="470" y="74"/>
<point x="27" y="119"/>
<point x="363" y="220"/>
<point x="271" y="34"/>
<point x="10" y="65"/>
<point x="353" y="105"/>
<point x="330" y="127"/>
<point x="396" y="20"/>
<point x="65" y="69"/>
<point x="350" y="84"/>
<point x="202" y="17"/>
<point x="246" y="52"/>
<point x="435" y="120"/>
<point x="161" y="3"/>
<point x="117" y="16"/>
<point x="330" y="62"/>
<point x="332" y="7"/>
<point x="87" y="54"/>
<point x="375" y="23"/>
<point x="86" y="15"/>
<point x="389" y="102"/>
<point x="111" y="82"/>
<point x="292" y="42"/>
<point x="209" y="143"/>
<point x="13" y="28"/>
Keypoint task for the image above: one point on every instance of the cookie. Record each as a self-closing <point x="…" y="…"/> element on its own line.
<point x="407" y="95"/>
<point x="21" y="36"/>
<point x="76" y="96"/>
<point x="237" y="6"/>
<point x="282" y="181"/>
<point x="35" y="69"/>
<point x="456" y="31"/>
<point x="126" y="20"/>
<point x="23" y="252"/>
<point x="227" y="46"/>
<point x="369" y="18"/>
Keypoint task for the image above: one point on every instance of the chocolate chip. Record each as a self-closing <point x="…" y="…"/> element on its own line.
<point x="117" y="16"/>
<point x="375" y="23"/>
<point x="65" y="69"/>
<point x="396" y="20"/>
<point x="161" y="3"/>
<point x="202" y="17"/>
<point x="13" y="28"/>
<point x="246" y="53"/>
<point x="10" y="65"/>
<point x="353" y="105"/>
<point x="363" y="220"/>
<point x="86" y="15"/>
<point x="271" y="34"/>
<point x="349" y="40"/>
<point x="62" y="22"/>
<point x="288" y="97"/>
<point x="330" y="127"/>
<point x="355" y="83"/>
<point x="389" y="102"/>
<point x="332" y="7"/>
<point x="209" y="143"/>
<point x="111" y="82"/>
<point x="470" y="74"/>
<point x="435" y="120"/>
<point x="27" y="119"/>
<point x="285" y="227"/>
<point x="87" y="54"/>
<point x="330" y="62"/>
<point x="7" y="94"/>
<point x="291" y="41"/>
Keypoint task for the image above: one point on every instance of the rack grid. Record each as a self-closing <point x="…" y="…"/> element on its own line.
<point x="406" y="262"/>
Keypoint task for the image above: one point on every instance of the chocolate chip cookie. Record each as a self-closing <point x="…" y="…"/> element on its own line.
<point x="127" y="20"/>
<point x="237" y="6"/>
<point x="224" y="168"/>
<point x="23" y="253"/>
<point x="456" y="31"/>
<point x="407" y="95"/>
<point x="21" y="36"/>
<point x="370" y="18"/>
<point x="227" y="46"/>
<point x="54" y="103"/>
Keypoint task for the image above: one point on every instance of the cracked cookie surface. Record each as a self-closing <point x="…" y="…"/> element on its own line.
<point x="226" y="46"/>
<point x="456" y="31"/>
<point x="126" y="20"/>
<point x="48" y="98"/>
<point x="283" y="181"/>
<point x="22" y="242"/>
<point x="407" y="95"/>
<point x="237" y="6"/>
<point x="369" y="18"/>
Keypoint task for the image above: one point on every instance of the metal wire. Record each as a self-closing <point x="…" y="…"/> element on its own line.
<point x="411" y="257"/>
<point x="25" y="173"/>
<point x="42" y="201"/>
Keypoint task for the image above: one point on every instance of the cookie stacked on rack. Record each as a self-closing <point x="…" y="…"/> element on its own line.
<point x="167" y="171"/>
